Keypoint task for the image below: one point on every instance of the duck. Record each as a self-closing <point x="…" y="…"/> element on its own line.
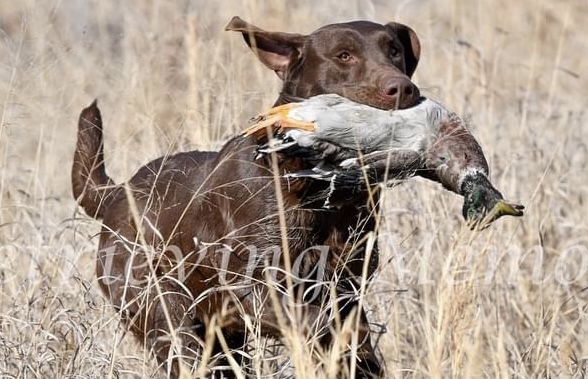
<point x="353" y="145"/>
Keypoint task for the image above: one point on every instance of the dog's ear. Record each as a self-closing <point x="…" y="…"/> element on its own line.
<point x="276" y="50"/>
<point x="411" y="43"/>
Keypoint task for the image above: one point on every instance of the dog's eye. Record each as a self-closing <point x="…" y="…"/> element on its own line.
<point x="394" y="51"/>
<point x="344" y="56"/>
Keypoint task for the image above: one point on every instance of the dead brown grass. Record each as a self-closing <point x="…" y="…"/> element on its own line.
<point x="511" y="301"/>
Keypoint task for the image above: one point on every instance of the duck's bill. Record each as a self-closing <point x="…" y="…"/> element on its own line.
<point x="501" y="208"/>
<point x="504" y="208"/>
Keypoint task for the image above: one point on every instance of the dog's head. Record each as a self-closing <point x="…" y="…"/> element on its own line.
<point x="364" y="61"/>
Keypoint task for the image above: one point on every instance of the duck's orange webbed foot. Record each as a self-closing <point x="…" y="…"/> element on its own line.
<point x="276" y="120"/>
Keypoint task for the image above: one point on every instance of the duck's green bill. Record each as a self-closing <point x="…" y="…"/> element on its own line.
<point x="502" y="208"/>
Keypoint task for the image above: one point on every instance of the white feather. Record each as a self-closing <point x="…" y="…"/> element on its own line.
<point x="363" y="128"/>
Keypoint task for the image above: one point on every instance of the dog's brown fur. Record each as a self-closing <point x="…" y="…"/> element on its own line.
<point x="157" y="224"/>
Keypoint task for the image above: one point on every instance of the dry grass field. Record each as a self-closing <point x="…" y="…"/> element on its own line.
<point x="508" y="302"/>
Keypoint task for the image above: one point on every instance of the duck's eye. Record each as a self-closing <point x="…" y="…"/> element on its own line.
<point x="344" y="56"/>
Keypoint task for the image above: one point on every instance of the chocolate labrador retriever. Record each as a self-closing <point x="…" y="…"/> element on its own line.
<point x="198" y="240"/>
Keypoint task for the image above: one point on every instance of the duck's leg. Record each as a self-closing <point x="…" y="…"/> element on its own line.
<point x="276" y="119"/>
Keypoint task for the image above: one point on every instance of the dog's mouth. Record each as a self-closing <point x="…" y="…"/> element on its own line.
<point x="374" y="97"/>
<point x="371" y="96"/>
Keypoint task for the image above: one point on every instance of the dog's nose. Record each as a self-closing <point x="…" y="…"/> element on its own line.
<point x="403" y="93"/>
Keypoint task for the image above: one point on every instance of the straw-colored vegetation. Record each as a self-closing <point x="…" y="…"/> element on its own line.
<point x="509" y="302"/>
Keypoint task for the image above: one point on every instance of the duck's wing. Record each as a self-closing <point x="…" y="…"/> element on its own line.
<point x="376" y="166"/>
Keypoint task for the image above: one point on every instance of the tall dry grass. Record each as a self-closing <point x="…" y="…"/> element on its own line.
<point x="511" y="301"/>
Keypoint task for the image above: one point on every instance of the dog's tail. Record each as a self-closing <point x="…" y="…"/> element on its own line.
<point x="91" y="186"/>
